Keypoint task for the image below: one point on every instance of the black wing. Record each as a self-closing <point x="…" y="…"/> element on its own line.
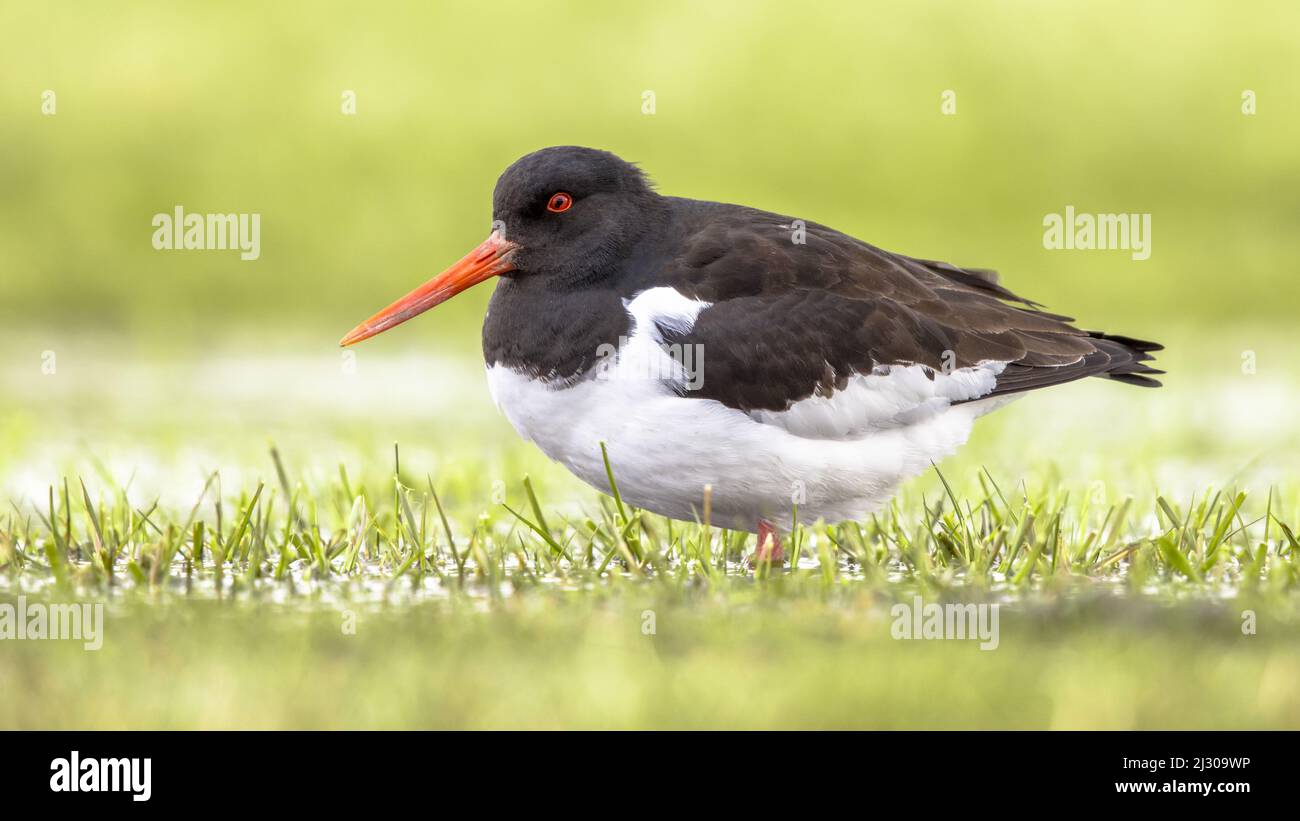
<point x="789" y="320"/>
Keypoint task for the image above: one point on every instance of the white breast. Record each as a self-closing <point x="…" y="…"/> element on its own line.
<point x="837" y="457"/>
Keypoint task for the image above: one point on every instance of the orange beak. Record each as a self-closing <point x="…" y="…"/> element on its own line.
<point x="484" y="262"/>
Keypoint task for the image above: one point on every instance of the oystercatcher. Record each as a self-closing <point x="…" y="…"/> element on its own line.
<point x="776" y="361"/>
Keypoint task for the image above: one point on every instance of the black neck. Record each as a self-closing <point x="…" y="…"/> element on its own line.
<point x="553" y="324"/>
<point x="550" y="333"/>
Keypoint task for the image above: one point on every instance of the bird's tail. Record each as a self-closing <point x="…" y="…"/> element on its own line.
<point x="1128" y="359"/>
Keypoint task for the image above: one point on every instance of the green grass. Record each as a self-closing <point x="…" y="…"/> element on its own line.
<point x="735" y="656"/>
<point x="1122" y="532"/>
<point x="231" y="612"/>
<point x="1007" y="542"/>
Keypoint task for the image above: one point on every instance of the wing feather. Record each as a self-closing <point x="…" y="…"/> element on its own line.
<point x="788" y="320"/>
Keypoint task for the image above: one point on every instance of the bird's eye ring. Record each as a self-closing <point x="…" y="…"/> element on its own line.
<point x="559" y="201"/>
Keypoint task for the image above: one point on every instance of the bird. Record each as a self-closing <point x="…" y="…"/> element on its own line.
<point x="782" y="369"/>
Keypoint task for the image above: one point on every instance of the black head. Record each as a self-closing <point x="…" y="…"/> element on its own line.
<point x="563" y="217"/>
<point x="573" y="212"/>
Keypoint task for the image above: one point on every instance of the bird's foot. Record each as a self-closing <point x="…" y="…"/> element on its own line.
<point x="769" y="546"/>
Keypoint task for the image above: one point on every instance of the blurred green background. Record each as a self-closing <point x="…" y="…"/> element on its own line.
<point x="175" y="364"/>
<point x="831" y="112"/>
<point x="826" y="111"/>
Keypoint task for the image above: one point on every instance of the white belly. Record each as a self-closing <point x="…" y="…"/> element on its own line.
<point x="828" y="456"/>
<point x="665" y="449"/>
<point x="835" y="457"/>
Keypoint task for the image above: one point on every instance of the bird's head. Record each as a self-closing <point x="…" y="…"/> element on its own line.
<point x="568" y="214"/>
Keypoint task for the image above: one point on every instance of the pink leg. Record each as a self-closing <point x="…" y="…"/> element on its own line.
<point x="769" y="544"/>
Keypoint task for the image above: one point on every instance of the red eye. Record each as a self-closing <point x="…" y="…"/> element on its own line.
<point x="560" y="201"/>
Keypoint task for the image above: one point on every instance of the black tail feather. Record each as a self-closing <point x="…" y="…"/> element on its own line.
<point x="1129" y="356"/>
